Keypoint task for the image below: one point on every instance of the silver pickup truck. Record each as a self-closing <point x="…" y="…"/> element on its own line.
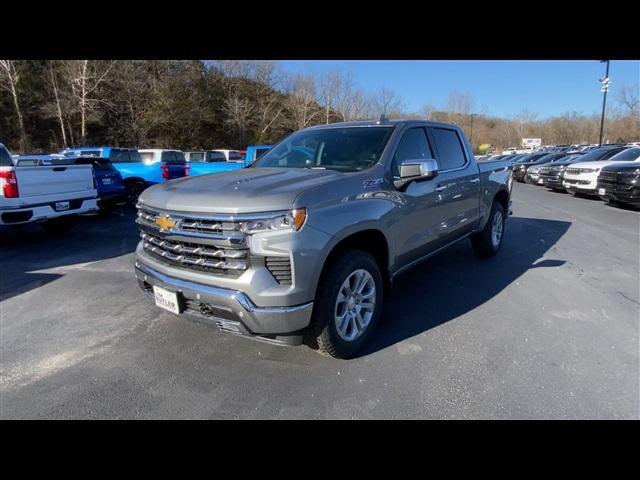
<point x="303" y="244"/>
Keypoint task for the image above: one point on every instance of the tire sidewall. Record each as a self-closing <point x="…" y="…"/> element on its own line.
<point x="342" y="267"/>
<point x="496" y="208"/>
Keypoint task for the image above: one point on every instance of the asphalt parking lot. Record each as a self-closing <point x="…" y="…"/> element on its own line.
<point x="547" y="329"/>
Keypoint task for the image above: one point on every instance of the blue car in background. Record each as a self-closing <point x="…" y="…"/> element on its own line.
<point x="107" y="180"/>
<point x="254" y="152"/>
<point x="202" y="162"/>
<point x="136" y="175"/>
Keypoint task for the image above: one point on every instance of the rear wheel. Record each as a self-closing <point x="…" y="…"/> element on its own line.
<point x="133" y="191"/>
<point x="348" y="305"/>
<point x="487" y="242"/>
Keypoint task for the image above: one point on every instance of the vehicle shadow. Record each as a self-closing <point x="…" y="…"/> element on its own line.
<point x="456" y="281"/>
<point x="92" y="238"/>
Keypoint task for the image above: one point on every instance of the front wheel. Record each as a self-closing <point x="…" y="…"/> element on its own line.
<point x="487" y="242"/>
<point x="348" y="305"/>
<point x="132" y="192"/>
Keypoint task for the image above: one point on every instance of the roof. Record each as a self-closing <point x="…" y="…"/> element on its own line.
<point x="376" y="123"/>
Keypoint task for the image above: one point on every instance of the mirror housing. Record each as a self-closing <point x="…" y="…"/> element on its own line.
<point x="412" y="170"/>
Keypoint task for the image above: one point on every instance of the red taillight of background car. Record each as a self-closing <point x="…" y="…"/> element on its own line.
<point x="186" y="170"/>
<point x="165" y="171"/>
<point x="9" y="183"/>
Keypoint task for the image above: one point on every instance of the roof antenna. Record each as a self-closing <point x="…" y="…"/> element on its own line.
<point x="383" y="119"/>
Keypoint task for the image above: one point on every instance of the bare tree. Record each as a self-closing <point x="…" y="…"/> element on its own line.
<point x="238" y="110"/>
<point x="462" y="103"/>
<point x="331" y="84"/>
<point x="301" y="102"/>
<point x="9" y="78"/>
<point x="386" y="101"/>
<point x="629" y="97"/>
<point x="351" y="103"/>
<point x="427" y="110"/>
<point x="56" y="94"/>
<point x="85" y="76"/>
<point x="525" y="119"/>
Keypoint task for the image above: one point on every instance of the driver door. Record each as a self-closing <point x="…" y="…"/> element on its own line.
<point x="418" y="228"/>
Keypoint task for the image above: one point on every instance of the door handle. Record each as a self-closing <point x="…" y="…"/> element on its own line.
<point x="440" y="188"/>
<point x="475" y="180"/>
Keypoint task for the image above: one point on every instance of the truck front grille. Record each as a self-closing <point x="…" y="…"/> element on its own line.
<point x="610" y="178"/>
<point x="280" y="268"/>
<point x="193" y="244"/>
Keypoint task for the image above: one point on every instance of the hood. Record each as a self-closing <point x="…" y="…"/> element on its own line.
<point x="240" y="191"/>
<point x="622" y="167"/>
<point x="604" y="163"/>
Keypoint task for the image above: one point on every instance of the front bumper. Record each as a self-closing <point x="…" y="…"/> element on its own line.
<point x="586" y="186"/>
<point x="552" y="181"/>
<point x="621" y="193"/>
<point x="230" y="310"/>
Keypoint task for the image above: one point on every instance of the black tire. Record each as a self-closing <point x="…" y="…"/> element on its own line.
<point x="57" y="226"/>
<point x="482" y="242"/>
<point x="323" y="333"/>
<point x="614" y="203"/>
<point x="133" y="191"/>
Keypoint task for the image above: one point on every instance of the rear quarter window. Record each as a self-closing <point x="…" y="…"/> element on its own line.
<point x="5" y="158"/>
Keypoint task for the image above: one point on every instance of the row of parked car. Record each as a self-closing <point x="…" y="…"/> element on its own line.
<point x="51" y="188"/>
<point x="611" y="172"/>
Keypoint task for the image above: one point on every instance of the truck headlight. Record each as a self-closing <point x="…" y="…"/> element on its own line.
<point x="291" y="220"/>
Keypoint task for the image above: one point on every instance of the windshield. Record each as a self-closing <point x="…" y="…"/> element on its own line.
<point x="346" y="149"/>
<point x="627" y="155"/>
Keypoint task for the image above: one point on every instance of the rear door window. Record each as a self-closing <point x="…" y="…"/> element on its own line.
<point x="449" y="147"/>
<point x="196" y="157"/>
<point x="216" y="157"/>
<point x="235" y="156"/>
<point x="119" y="156"/>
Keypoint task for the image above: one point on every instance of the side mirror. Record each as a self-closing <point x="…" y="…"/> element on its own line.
<point x="412" y="170"/>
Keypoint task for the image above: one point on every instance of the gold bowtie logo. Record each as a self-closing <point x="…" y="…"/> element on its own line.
<point x="165" y="223"/>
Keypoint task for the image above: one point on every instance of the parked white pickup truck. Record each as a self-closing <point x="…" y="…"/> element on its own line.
<point x="47" y="194"/>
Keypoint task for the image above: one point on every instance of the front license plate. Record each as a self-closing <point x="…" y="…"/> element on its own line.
<point x="601" y="191"/>
<point x="60" y="206"/>
<point x="166" y="299"/>
<point x="540" y="181"/>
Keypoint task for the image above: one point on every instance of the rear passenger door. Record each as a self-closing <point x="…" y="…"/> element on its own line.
<point x="457" y="183"/>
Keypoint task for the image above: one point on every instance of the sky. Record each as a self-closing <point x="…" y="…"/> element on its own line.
<point x="501" y="88"/>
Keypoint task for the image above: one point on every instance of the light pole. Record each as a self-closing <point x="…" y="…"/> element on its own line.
<point x="605" y="88"/>
<point x="471" y="133"/>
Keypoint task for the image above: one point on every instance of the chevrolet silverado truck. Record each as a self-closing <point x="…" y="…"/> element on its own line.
<point x="303" y="244"/>
<point x="50" y="195"/>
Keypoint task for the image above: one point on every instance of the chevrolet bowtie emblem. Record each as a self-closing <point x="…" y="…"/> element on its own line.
<point x="165" y="223"/>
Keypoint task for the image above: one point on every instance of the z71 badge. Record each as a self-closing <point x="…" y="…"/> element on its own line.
<point x="371" y="183"/>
